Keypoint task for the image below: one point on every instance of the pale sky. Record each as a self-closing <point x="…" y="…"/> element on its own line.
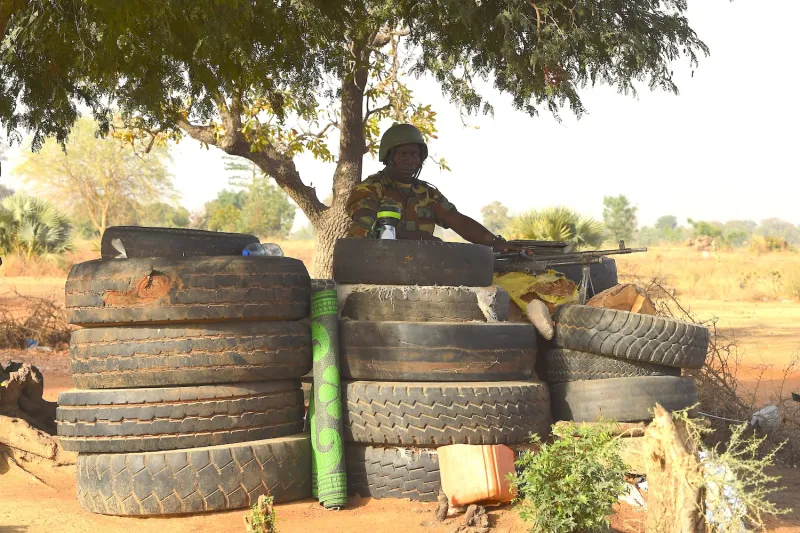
<point x="721" y="150"/>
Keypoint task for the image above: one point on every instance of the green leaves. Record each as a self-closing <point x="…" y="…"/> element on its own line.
<point x="98" y="178"/>
<point x="572" y="483"/>
<point x="32" y="227"/>
<point x="619" y="216"/>
<point x="558" y="224"/>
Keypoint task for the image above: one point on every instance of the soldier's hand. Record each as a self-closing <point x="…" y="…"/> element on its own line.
<point x="505" y="246"/>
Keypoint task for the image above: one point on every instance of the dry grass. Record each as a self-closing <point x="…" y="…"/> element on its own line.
<point x="723" y="398"/>
<point x="302" y="250"/>
<point x="17" y="266"/>
<point x="740" y="275"/>
<point x="30" y="317"/>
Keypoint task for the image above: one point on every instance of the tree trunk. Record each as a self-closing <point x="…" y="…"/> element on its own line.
<point x="676" y="498"/>
<point x="332" y="225"/>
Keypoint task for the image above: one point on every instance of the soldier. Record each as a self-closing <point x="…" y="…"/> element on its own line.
<point x="422" y="207"/>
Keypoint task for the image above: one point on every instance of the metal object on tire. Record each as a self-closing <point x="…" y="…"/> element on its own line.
<point x="189" y="354"/>
<point x="558" y="365"/>
<point x="198" y="289"/>
<point x="140" y="241"/>
<point x="411" y="473"/>
<point x="407" y="262"/>
<point x="602" y="275"/>
<point x="423" y="304"/>
<point x="168" y="418"/>
<point x="435" y="414"/>
<point x="644" y="338"/>
<point x="409" y="351"/>
<point x="214" y="478"/>
<point x="620" y="399"/>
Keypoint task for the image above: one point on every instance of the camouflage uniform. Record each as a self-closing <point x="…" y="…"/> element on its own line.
<point x="421" y="205"/>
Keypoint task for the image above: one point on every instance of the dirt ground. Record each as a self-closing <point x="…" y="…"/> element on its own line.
<point x="29" y="506"/>
<point x="766" y="332"/>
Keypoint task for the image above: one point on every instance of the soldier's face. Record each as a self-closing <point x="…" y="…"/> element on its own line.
<point x="407" y="157"/>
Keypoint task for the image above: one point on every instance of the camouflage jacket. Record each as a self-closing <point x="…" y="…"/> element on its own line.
<point x="421" y="205"/>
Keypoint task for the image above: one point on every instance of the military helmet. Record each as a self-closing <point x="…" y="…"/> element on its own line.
<point x="399" y="134"/>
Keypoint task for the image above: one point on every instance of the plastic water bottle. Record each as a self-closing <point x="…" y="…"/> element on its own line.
<point x="388" y="218"/>
<point x="267" y="249"/>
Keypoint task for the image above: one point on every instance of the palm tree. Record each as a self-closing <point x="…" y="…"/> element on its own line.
<point x="29" y="226"/>
<point x="557" y="224"/>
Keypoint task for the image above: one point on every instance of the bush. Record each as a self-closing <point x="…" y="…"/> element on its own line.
<point x="31" y="227"/>
<point x="572" y="483"/>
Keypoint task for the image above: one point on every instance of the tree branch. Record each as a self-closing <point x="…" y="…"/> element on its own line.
<point x="321" y="134"/>
<point x="204" y="134"/>
<point x="371" y="112"/>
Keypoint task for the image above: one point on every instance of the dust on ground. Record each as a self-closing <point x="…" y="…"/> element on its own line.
<point x="768" y="339"/>
<point x="768" y="333"/>
<point x="29" y="506"/>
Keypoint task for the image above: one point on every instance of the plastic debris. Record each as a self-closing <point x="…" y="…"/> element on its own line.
<point x="117" y="245"/>
<point x="768" y="418"/>
<point x="267" y="249"/>
<point x="632" y="496"/>
<point x="722" y="502"/>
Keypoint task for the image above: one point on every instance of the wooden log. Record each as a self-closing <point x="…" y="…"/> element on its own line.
<point x="676" y="490"/>
<point x="17" y="433"/>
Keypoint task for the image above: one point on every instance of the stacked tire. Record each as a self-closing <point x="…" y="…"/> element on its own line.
<point x="428" y="359"/>
<point x="611" y="364"/>
<point x="187" y="371"/>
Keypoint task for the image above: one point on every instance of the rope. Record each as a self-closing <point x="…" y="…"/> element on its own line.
<point x="722" y="418"/>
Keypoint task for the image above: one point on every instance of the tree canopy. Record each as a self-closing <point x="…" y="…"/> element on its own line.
<point x="619" y="217"/>
<point x="266" y="80"/>
<point x="495" y="216"/>
<point x="97" y="179"/>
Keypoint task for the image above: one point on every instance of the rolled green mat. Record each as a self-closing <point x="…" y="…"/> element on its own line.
<point x="325" y="406"/>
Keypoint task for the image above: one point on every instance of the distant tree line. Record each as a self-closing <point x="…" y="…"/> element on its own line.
<point x="620" y="223"/>
<point x="100" y="183"/>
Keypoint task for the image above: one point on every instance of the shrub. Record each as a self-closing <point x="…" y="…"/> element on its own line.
<point x="32" y="227"/>
<point x="572" y="483"/>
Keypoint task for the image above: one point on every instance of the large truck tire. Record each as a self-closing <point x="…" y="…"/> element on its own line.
<point x="197" y="289"/>
<point x="189" y="354"/>
<point x="436" y="414"/>
<point x="637" y="337"/>
<point x="558" y="365"/>
<point x="620" y="399"/>
<point x="409" y="351"/>
<point x="171" y="242"/>
<point x="407" y="262"/>
<point x="199" y="480"/>
<point x="168" y="418"/>
<point x="383" y="303"/>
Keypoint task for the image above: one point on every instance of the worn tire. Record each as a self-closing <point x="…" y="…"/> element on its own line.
<point x="621" y="399"/>
<point x="190" y="354"/>
<point x="169" y="418"/>
<point x="423" y="304"/>
<point x="406" y="262"/>
<point x="560" y="365"/>
<point x="216" y="478"/>
<point x="643" y="338"/>
<point x="409" y="351"/>
<point x="392" y="473"/>
<point x="436" y="414"/>
<point x="172" y="242"/>
<point x="604" y="275"/>
<point x="198" y="289"/>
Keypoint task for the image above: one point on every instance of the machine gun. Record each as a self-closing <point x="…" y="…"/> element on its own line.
<point x="539" y="256"/>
